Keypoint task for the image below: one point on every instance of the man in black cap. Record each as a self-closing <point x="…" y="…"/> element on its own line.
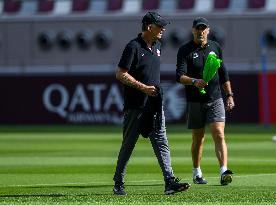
<point x="204" y="108"/>
<point x="139" y="72"/>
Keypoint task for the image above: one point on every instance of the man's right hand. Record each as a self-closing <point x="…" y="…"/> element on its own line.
<point x="199" y="83"/>
<point x="150" y="90"/>
<point x="123" y="76"/>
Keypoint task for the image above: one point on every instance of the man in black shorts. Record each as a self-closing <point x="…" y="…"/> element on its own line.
<point x="204" y="108"/>
<point x="139" y="71"/>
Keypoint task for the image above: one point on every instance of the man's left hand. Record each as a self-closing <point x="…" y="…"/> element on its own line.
<point x="230" y="103"/>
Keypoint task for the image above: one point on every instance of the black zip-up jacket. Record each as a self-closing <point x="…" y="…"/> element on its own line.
<point x="151" y="117"/>
<point x="190" y="62"/>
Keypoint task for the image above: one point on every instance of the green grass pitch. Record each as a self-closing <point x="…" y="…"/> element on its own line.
<point x="75" y="165"/>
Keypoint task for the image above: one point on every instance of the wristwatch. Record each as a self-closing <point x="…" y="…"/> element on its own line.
<point x="230" y="95"/>
<point x="193" y="81"/>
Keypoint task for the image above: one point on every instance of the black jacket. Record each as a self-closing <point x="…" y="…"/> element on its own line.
<point x="152" y="114"/>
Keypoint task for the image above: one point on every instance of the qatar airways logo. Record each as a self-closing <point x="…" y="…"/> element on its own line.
<point x="174" y="101"/>
<point x="103" y="103"/>
<point x="90" y="103"/>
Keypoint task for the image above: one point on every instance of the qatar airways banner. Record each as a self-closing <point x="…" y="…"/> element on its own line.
<point x="94" y="99"/>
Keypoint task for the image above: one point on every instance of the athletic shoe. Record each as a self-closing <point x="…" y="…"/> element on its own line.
<point x="172" y="186"/>
<point x="119" y="188"/>
<point x="226" y="177"/>
<point x="200" y="180"/>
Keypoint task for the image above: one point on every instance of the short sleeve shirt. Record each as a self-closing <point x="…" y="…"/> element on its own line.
<point x="190" y="61"/>
<point x="143" y="64"/>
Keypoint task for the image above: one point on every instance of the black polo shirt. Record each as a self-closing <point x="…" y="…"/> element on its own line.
<point x="190" y="61"/>
<point x="144" y="65"/>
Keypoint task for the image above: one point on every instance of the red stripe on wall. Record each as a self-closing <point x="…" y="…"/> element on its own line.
<point x="271" y="91"/>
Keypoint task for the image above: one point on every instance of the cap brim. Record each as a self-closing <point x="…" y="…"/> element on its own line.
<point x="201" y="24"/>
<point x="162" y="23"/>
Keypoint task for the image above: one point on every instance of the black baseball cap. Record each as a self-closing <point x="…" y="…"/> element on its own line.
<point x="154" y="18"/>
<point x="200" y="21"/>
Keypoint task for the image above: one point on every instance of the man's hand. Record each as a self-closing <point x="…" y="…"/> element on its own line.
<point x="229" y="99"/>
<point x="230" y="103"/>
<point x="199" y="83"/>
<point x="127" y="79"/>
<point x="150" y="90"/>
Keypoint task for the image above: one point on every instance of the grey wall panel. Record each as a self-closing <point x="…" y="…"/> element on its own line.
<point x="18" y="43"/>
<point x="20" y="48"/>
<point x="120" y="34"/>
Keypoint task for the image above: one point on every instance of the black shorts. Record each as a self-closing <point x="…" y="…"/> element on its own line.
<point x="201" y="113"/>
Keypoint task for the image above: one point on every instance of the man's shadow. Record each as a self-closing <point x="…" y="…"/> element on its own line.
<point x="109" y="186"/>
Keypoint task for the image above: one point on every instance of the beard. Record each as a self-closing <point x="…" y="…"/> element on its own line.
<point x="200" y="39"/>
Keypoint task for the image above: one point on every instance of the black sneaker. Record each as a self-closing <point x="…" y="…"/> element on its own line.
<point x="172" y="186"/>
<point x="200" y="180"/>
<point x="226" y="177"/>
<point x="119" y="188"/>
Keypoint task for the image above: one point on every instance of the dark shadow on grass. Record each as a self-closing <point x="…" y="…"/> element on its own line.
<point x="75" y="195"/>
<point x="109" y="186"/>
<point x="31" y="195"/>
<point x="80" y="187"/>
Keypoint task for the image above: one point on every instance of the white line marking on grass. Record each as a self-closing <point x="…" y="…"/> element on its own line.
<point x="250" y="175"/>
<point x="109" y="183"/>
<point x="255" y="175"/>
